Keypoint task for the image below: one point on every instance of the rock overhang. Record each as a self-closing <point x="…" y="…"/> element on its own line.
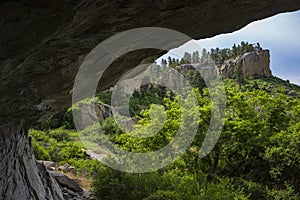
<point x="43" y="43"/>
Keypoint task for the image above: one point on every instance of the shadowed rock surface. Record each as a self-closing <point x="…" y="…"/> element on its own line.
<point x="20" y="176"/>
<point x="44" y="42"/>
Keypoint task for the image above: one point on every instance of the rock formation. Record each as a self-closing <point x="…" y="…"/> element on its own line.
<point x="102" y="111"/>
<point x="246" y="65"/>
<point x="44" y="42"/>
<point x="207" y="70"/>
<point x="20" y="176"/>
<point x="249" y="64"/>
<point x="68" y="188"/>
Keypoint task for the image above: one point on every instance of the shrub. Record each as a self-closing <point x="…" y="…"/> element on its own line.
<point x="163" y="195"/>
<point x="40" y="152"/>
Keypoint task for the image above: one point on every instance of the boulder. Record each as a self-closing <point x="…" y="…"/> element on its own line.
<point x="67" y="168"/>
<point x="66" y="182"/>
<point x="48" y="164"/>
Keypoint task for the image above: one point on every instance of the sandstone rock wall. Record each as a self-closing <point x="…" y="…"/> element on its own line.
<point x="249" y="64"/>
<point x="257" y="63"/>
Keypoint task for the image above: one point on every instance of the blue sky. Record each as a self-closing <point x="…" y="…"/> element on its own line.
<point x="280" y="34"/>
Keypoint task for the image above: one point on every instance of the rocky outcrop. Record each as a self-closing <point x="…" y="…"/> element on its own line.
<point x="70" y="195"/>
<point x="67" y="168"/>
<point x="70" y="188"/>
<point x="65" y="181"/>
<point x="246" y="65"/>
<point x="20" y="176"/>
<point x="249" y="64"/>
<point x="257" y="63"/>
<point x="49" y="165"/>
<point x="102" y="111"/>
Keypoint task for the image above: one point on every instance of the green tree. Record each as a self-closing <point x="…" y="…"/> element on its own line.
<point x="195" y="57"/>
<point x="187" y="58"/>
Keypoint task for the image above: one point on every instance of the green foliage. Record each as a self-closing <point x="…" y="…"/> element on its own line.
<point x="173" y="184"/>
<point x="284" y="156"/>
<point x="162" y="138"/>
<point x="257" y="155"/>
<point x="287" y="193"/>
<point x="195" y="79"/>
<point x="55" y="145"/>
<point x="86" y="167"/>
<point x="110" y="128"/>
<point x="62" y="119"/>
<point x="163" y="195"/>
<point x="142" y="100"/>
<point x="216" y="55"/>
<point x="40" y="152"/>
<point x="259" y="145"/>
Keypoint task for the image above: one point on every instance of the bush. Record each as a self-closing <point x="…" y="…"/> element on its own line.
<point x="59" y="134"/>
<point x="174" y="184"/>
<point x="40" y="152"/>
<point x="163" y="195"/>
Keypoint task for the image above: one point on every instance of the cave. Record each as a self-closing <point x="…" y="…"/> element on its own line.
<point x="43" y="44"/>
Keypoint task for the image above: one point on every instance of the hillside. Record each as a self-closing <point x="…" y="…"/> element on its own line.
<point x="256" y="157"/>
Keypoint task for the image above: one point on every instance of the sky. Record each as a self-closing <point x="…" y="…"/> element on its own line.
<point x="280" y="34"/>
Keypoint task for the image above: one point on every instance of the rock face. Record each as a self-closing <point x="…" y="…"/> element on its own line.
<point x="20" y="177"/>
<point x="252" y="63"/>
<point x="257" y="63"/>
<point x="249" y="64"/>
<point x="102" y="111"/>
<point x="68" y="188"/>
<point x="65" y="181"/>
<point x="44" y="42"/>
<point x="207" y="70"/>
<point x="49" y="165"/>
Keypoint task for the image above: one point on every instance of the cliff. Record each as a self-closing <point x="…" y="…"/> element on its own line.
<point x="246" y="65"/>
<point x="249" y="64"/>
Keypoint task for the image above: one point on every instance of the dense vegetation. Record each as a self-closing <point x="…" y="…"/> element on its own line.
<point x="256" y="157"/>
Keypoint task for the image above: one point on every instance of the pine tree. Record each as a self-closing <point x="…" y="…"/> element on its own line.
<point x="195" y="57"/>
<point x="187" y="57"/>
<point x="204" y="56"/>
<point x="234" y="51"/>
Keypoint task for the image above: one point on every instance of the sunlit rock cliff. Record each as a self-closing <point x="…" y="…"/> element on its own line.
<point x="249" y="64"/>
